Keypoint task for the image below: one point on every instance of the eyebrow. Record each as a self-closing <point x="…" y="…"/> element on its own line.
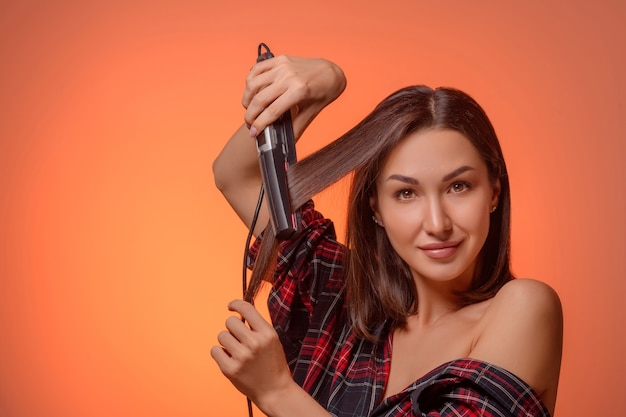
<point x="456" y="172"/>
<point x="447" y="177"/>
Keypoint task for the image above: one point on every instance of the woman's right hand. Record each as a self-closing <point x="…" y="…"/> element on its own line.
<point x="305" y="85"/>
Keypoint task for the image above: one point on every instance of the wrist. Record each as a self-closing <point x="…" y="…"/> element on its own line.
<point x="291" y="400"/>
<point x="273" y="401"/>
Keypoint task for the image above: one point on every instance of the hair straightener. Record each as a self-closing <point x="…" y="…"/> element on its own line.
<point x="277" y="151"/>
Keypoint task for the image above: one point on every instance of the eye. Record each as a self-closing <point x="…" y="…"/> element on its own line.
<point x="459" y="187"/>
<point x="405" y="194"/>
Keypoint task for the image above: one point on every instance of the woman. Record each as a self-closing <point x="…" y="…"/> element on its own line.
<point x="418" y="313"/>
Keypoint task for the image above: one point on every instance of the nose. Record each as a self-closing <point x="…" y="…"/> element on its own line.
<point x="436" y="219"/>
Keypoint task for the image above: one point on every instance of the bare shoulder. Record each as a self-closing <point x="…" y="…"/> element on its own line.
<point x="531" y="295"/>
<point x="522" y="331"/>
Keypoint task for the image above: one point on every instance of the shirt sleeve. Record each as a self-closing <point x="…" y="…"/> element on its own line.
<point x="475" y="388"/>
<point x="307" y="280"/>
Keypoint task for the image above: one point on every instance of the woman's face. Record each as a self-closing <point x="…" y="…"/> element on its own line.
<point x="434" y="199"/>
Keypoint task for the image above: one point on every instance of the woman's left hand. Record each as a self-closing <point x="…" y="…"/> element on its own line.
<point x="251" y="356"/>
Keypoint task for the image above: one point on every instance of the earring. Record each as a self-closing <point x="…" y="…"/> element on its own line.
<point x="493" y="209"/>
<point x="378" y="222"/>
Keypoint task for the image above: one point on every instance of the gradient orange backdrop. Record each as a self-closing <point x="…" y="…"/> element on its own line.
<point x="118" y="254"/>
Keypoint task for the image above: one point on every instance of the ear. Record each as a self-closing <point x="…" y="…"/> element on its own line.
<point x="496" y="193"/>
<point x="374" y="206"/>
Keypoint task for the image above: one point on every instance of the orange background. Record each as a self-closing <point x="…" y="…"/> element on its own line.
<point x="118" y="255"/>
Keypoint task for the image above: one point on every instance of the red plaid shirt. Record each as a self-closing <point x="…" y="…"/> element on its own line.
<point x="347" y="375"/>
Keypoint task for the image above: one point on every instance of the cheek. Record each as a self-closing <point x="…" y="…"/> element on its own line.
<point x="401" y="221"/>
<point x="473" y="219"/>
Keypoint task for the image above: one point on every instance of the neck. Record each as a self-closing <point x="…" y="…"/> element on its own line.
<point x="436" y="300"/>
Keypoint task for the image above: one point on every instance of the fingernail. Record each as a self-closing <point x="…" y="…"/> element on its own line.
<point x="253" y="132"/>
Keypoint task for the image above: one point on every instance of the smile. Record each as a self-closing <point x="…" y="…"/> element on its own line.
<point x="440" y="250"/>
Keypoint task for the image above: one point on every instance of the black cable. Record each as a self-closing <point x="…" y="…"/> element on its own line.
<point x="246" y="254"/>
<point x="255" y="217"/>
<point x="250" y="414"/>
<point x="246" y="251"/>
<point x="267" y="50"/>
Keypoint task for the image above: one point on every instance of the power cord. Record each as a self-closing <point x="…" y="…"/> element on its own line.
<point x="246" y="254"/>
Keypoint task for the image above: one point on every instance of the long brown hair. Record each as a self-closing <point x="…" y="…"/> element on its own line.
<point x="379" y="284"/>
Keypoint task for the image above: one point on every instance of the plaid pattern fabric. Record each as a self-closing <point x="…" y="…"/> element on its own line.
<point x="347" y="375"/>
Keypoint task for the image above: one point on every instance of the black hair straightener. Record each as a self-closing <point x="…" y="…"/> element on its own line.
<point x="277" y="151"/>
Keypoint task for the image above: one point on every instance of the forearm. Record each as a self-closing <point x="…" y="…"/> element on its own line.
<point x="237" y="175"/>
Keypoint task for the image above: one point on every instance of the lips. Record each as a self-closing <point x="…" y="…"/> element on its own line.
<point x="440" y="250"/>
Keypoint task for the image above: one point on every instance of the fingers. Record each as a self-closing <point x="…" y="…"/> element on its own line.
<point x="283" y="83"/>
<point x="221" y="356"/>
<point x="250" y="314"/>
<point x="251" y="355"/>
<point x="272" y="88"/>
<point x="238" y="339"/>
<point x="241" y="343"/>
<point x="236" y="336"/>
<point x="266" y="106"/>
<point x="257" y="79"/>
